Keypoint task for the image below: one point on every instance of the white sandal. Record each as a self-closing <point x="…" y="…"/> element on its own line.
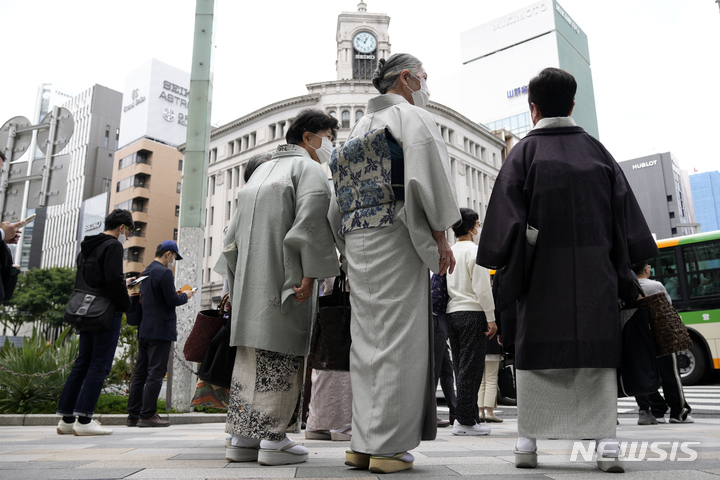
<point x="281" y="456"/>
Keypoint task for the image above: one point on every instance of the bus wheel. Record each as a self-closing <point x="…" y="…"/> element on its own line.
<point x="692" y="364"/>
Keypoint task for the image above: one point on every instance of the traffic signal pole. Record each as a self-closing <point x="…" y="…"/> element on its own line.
<point x="191" y="231"/>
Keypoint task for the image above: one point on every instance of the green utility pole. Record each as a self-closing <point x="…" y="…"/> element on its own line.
<point x="181" y="382"/>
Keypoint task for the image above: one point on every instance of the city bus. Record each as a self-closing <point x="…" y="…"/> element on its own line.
<point x="689" y="267"/>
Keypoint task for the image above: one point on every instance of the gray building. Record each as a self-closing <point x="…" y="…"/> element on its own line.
<point x="657" y="182"/>
<point x="96" y="112"/>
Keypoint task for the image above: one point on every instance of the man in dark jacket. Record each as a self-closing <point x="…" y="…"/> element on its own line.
<point x="561" y="208"/>
<point x="99" y="266"/>
<point x="9" y="234"/>
<point x="157" y="331"/>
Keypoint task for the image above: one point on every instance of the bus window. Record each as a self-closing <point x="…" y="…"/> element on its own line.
<point x="663" y="268"/>
<point x="704" y="263"/>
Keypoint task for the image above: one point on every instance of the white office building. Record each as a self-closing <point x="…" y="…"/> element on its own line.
<point x="501" y="56"/>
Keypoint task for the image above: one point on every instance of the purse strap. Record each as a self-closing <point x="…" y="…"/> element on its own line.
<point x="221" y="305"/>
<point x="339" y="288"/>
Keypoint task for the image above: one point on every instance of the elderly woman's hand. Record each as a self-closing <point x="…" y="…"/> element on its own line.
<point x="447" y="259"/>
<point x="304" y="291"/>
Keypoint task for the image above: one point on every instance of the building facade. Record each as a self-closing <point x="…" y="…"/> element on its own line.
<point x="475" y="153"/>
<point x="501" y="56"/>
<point x="706" y="196"/>
<point x="147" y="172"/>
<point x="656" y="181"/>
<point x="96" y="113"/>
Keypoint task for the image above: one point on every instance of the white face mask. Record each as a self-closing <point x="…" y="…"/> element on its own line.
<point x="476" y="237"/>
<point x="325" y="151"/>
<point x="122" y="238"/>
<point x="420" y="97"/>
<point x="171" y="264"/>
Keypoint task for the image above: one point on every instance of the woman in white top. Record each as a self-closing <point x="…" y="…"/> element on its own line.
<point x="471" y="320"/>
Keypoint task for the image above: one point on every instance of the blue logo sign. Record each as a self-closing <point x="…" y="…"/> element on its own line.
<point x="516" y="92"/>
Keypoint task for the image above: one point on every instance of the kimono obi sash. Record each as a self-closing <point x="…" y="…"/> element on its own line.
<point x="369" y="176"/>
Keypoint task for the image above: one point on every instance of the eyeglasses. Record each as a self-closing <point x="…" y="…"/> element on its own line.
<point x="128" y="231"/>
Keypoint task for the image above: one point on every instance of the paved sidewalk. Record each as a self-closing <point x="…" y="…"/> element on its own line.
<point x="197" y="452"/>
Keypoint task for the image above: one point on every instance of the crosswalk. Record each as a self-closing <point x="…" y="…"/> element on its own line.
<point x="701" y="398"/>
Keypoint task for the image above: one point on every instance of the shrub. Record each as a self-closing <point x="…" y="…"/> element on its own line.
<point x="125" y="358"/>
<point x="26" y="382"/>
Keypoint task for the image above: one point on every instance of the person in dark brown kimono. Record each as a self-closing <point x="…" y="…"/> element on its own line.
<point x="561" y="207"/>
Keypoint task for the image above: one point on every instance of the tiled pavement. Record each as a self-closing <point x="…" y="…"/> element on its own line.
<point x="197" y="452"/>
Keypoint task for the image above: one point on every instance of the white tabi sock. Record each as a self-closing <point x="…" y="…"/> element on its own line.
<point x="407" y="458"/>
<point x="526" y="445"/>
<point x="245" y="442"/>
<point x="608" y="447"/>
<point x="269" y="445"/>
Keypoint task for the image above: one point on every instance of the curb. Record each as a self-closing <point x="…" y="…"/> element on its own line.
<point x="109" y="419"/>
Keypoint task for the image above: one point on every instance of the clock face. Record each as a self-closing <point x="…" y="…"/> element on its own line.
<point x="364" y="42"/>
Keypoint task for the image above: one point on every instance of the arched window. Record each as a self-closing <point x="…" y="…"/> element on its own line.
<point x="358" y="115"/>
<point x="332" y="113"/>
<point x="345" y="119"/>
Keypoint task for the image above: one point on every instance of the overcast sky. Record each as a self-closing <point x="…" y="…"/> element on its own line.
<point x="655" y="63"/>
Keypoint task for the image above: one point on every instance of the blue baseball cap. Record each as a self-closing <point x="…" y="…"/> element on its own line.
<point x="172" y="246"/>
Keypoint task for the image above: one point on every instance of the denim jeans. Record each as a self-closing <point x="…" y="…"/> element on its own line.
<point x="151" y="367"/>
<point x="92" y="365"/>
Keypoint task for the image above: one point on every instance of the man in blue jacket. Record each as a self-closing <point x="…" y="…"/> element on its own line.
<point x="157" y="331"/>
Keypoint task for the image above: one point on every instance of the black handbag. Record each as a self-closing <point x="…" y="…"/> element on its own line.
<point x="506" y="380"/>
<point x="330" y="343"/>
<point x="638" y="373"/>
<point x="216" y="367"/>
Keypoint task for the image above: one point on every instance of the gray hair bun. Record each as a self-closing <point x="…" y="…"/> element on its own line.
<point x="379" y="73"/>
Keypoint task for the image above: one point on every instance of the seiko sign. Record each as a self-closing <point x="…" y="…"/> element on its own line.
<point x="638" y="166"/>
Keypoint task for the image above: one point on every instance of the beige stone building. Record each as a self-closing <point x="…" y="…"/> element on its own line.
<point x="476" y="154"/>
<point x="146" y="180"/>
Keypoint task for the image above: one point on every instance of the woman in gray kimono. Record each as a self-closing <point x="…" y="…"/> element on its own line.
<point x="395" y="199"/>
<point x="278" y="242"/>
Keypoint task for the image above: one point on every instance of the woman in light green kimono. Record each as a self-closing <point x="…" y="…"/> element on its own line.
<point x="395" y="199"/>
<point x="278" y="242"/>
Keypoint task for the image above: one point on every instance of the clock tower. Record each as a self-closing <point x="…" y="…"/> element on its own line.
<point x="362" y="39"/>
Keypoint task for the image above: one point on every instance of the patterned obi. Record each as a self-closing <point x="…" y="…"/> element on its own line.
<point x="368" y="173"/>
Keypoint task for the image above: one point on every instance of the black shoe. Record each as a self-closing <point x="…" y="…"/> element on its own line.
<point x="442" y="423"/>
<point x="131" y="421"/>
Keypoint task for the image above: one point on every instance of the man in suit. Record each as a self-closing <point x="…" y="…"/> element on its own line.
<point x="9" y="234"/>
<point x="157" y="331"/>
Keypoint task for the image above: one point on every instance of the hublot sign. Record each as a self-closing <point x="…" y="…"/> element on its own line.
<point x="651" y="163"/>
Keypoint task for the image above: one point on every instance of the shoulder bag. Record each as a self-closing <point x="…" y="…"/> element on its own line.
<point x="668" y="331"/>
<point x="87" y="309"/>
<point x="330" y="343"/>
<point x="207" y="325"/>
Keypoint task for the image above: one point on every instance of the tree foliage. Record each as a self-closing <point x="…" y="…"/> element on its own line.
<point x="41" y="295"/>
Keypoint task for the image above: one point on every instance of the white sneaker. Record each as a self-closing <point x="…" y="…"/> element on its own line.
<point x="475" y="430"/>
<point x="92" y="428"/>
<point x="64" y="428"/>
<point x="660" y="419"/>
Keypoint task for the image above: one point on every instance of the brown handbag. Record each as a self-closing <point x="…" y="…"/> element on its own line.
<point x="207" y="325"/>
<point x="669" y="332"/>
